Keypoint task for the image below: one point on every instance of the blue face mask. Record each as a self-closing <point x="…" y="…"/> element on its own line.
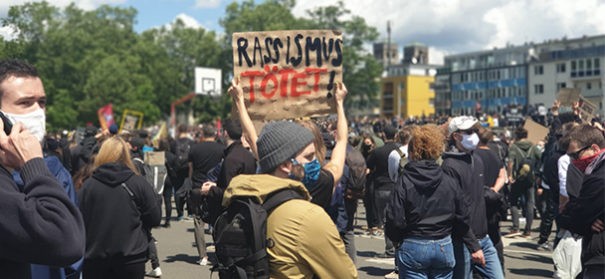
<point x="312" y="170"/>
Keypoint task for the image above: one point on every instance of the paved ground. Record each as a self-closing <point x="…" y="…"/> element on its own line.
<point x="178" y="254"/>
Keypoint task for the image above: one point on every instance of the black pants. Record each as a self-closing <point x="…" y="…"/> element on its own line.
<point x="551" y="202"/>
<point x="179" y="200"/>
<point x="153" y="254"/>
<point x="368" y="203"/>
<point x="382" y="195"/>
<point x="167" y="194"/>
<point x="103" y="269"/>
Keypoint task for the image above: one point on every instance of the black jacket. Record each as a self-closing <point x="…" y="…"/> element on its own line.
<point x="468" y="171"/>
<point x="115" y="227"/>
<point x="237" y="161"/>
<point x="589" y="206"/>
<point x="38" y="224"/>
<point x="426" y="203"/>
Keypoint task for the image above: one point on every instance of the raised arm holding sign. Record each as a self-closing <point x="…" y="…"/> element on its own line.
<point x="288" y="74"/>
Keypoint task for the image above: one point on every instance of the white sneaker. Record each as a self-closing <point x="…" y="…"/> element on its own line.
<point x="156" y="273"/>
<point x="203" y="261"/>
<point x="392" y="275"/>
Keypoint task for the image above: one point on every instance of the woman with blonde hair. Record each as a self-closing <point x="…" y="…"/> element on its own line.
<point x="425" y="207"/>
<point x="119" y="208"/>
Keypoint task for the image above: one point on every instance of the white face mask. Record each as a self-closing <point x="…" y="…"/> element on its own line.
<point x="34" y="122"/>
<point x="469" y="142"/>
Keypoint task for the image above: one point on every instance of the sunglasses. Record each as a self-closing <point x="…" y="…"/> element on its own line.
<point x="576" y="155"/>
<point x="468" y="132"/>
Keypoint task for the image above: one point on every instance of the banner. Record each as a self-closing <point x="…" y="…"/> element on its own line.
<point x="105" y="115"/>
<point x="131" y="120"/>
<point x="288" y="74"/>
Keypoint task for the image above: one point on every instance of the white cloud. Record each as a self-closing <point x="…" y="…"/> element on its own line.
<point x="188" y="20"/>
<point x="454" y="26"/>
<point x="207" y="3"/>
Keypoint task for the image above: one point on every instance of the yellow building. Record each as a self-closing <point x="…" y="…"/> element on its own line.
<point x="406" y="91"/>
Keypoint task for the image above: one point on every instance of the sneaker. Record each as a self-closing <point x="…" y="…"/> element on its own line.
<point x="179" y="218"/>
<point x="545" y="246"/>
<point x="166" y="225"/>
<point x="526" y="235"/>
<point x="512" y="233"/>
<point x="393" y="275"/>
<point x="203" y="261"/>
<point x="155" y="273"/>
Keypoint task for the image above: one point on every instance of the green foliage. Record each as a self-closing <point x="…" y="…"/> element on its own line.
<point x="90" y="58"/>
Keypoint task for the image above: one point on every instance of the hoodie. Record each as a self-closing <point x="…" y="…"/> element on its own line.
<point x="426" y="203"/>
<point x="467" y="170"/>
<point x="306" y="242"/>
<point x="117" y="226"/>
<point x="518" y="151"/>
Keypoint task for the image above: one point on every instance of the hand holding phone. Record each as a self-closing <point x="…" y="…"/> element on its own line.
<point x="8" y="126"/>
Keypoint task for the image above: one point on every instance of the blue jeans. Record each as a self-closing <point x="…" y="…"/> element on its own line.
<point x="464" y="268"/>
<point x="425" y="258"/>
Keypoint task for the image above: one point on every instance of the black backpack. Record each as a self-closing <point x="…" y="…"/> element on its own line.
<point x="240" y="236"/>
<point x="182" y="154"/>
<point x="356" y="175"/>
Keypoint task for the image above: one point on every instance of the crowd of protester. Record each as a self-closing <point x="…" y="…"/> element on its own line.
<point x="84" y="203"/>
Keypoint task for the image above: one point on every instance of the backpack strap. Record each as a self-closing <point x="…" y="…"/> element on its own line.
<point x="132" y="196"/>
<point x="279" y="197"/>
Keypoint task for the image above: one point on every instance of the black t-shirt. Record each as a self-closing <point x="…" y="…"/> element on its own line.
<point x="323" y="189"/>
<point x="378" y="162"/>
<point x="491" y="164"/>
<point x="204" y="156"/>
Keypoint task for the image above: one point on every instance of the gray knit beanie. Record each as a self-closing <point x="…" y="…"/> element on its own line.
<point x="280" y="141"/>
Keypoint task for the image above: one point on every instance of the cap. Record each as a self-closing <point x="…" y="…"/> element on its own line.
<point x="461" y="123"/>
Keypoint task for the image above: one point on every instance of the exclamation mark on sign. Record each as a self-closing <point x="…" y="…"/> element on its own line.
<point x="331" y="83"/>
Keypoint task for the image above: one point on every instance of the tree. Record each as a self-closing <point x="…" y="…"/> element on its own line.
<point x="360" y="68"/>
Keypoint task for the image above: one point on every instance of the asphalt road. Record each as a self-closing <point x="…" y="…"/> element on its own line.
<point x="178" y="254"/>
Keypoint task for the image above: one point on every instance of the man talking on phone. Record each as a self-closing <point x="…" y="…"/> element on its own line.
<point x="39" y="224"/>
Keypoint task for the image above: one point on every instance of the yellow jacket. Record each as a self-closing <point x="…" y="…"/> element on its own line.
<point x="306" y="240"/>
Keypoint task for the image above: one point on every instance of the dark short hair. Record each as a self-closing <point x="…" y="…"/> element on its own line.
<point x="586" y="135"/>
<point x="485" y="135"/>
<point x="182" y="128"/>
<point x="208" y="131"/>
<point x="233" y="128"/>
<point x="15" y="68"/>
<point x="520" y="133"/>
<point x="389" y="132"/>
<point x="405" y="134"/>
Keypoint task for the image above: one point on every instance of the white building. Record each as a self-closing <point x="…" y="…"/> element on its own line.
<point x="572" y="63"/>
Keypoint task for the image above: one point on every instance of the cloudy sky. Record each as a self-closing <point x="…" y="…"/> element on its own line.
<point x="447" y="26"/>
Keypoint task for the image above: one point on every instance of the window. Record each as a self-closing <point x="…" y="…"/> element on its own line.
<point x="539" y="88"/>
<point x="588" y="86"/>
<point x="561" y="68"/>
<point x="538" y="70"/>
<point x="561" y="85"/>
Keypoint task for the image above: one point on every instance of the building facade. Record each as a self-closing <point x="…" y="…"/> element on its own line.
<point x="490" y="81"/>
<point x="407" y="92"/>
<point x="568" y="63"/>
<point x="386" y="55"/>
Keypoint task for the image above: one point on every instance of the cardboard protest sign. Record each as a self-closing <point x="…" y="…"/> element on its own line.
<point x="288" y="74"/>
<point x="131" y="120"/>
<point x="568" y="96"/>
<point x="587" y="109"/>
<point x="535" y="131"/>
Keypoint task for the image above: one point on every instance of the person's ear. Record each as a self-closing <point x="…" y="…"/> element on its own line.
<point x="285" y="167"/>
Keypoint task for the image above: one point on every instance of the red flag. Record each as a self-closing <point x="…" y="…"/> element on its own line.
<point x="105" y="115"/>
